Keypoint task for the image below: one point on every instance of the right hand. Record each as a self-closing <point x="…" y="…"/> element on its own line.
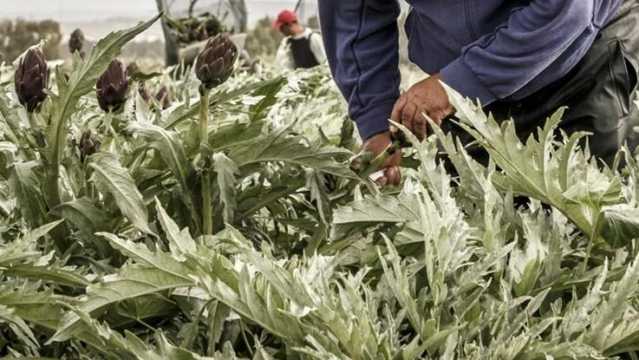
<point x="391" y="172"/>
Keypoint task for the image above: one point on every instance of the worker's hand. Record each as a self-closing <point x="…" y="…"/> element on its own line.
<point x="426" y="97"/>
<point x="391" y="174"/>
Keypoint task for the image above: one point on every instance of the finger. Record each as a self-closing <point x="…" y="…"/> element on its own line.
<point x="393" y="176"/>
<point x="377" y="176"/>
<point x="432" y="117"/>
<point x="382" y="181"/>
<point x="397" y="109"/>
<point x="388" y="176"/>
<point x="420" y="126"/>
<point x="393" y="160"/>
<point x="408" y="114"/>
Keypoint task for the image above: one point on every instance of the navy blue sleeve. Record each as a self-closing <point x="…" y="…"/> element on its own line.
<point x="540" y="43"/>
<point x="361" y="40"/>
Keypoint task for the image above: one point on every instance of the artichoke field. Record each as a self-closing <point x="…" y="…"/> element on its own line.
<point x="105" y="252"/>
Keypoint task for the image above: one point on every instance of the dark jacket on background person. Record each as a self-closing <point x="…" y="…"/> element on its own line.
<point x="305" y="51"/>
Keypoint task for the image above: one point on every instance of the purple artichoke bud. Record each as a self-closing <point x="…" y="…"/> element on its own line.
<point x="76" y="41"/>
<point x="112" y="87"/>
<point x="215" y="63"/>
<point x="163" y="97"/>
<point x="31" y="79"/>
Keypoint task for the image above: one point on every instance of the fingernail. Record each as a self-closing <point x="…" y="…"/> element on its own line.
<point x="377" y="176"/>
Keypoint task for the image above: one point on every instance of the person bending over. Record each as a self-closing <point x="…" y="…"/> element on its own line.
<point x="520" y="58"/>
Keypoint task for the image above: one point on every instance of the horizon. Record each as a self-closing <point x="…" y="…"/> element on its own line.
<point x="97" y="19"/>
<point x="97" y="10"/>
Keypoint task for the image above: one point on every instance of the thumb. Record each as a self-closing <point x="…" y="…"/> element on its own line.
<point x="393" y="175"/>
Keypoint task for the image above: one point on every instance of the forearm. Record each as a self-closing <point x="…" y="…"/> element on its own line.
<point x="539" y="44"/>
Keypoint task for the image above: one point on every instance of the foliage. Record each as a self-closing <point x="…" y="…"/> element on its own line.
<point x="103" y="255"/>
<point x="263" y="40"/>
<point x="16" y="36"/>
<point x="195" y="28"/>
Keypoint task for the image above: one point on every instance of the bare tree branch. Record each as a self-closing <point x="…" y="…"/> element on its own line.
<point x="238" y="8"/>
<point x="170" y="42"/>
<point x="191" y="7"/>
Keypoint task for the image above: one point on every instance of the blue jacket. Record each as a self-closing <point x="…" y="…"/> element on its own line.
<point x="485" y="49"/>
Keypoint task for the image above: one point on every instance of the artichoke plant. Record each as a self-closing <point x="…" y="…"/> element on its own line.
<point x="112" y="87"/>
<point x="163" y="97"/>
<point x="76" y="41"/>
<point x="215" y="63"/>
<point x="213" y="67"/>
<point x="31" y="78"/>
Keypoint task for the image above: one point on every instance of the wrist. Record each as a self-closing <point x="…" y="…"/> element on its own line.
<point x="378" y="142"/>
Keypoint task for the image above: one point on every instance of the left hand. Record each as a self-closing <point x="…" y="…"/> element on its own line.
<point x="425" y="97"/>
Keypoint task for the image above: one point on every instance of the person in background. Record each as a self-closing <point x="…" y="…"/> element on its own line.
<point x="521" y="58"/>
<point x="301" y="47"/>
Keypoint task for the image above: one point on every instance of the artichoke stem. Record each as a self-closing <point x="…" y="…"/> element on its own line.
<point x="31" y="137"/>
<point x="204" y="117"/>
<point x="207" y="210"/>
<point x="207" y="203"/>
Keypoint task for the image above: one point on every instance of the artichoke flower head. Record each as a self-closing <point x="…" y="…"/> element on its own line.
<point x="215" y="63"/>
<point x="112" y="87"/>
<point x="76" y="41"/>
<point x="31" y="78"/>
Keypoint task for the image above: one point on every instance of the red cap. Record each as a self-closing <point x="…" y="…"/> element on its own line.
<point x="285" y="17"/>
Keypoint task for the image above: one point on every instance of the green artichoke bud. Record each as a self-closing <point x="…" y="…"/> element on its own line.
<point x="112" y="87"/>
<point x="31" y="78"/>
<point x="76" y="41"/>
<point x="215" y="63"/>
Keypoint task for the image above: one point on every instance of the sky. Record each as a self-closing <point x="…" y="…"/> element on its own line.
<point x="99" y="17"/>
<point x="89" y="10"/>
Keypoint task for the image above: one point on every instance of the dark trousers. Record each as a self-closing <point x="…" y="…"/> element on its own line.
<point x="599" y="92"/>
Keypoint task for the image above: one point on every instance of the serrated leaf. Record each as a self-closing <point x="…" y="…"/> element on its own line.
<point x="19" y="327"/>
<point x="226" y="171"/>
<point x="112" y="178"/>
<point x="180" y="242"/>
<point x="132" y="282"/>
<point x="169" y="147"/>
<point x="10" y="122"/>
<point x="25" y="248"/>
<point x="49" y="274"/>
<point x="185" y="112"/>
<point x="84" y="215"/>
<point x="282" y="146"/>
<point x="26" y="186"/>
<point x="543" y="168"/>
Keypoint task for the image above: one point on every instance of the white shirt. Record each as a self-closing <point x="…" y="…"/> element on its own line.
<point x="284" y="56"/>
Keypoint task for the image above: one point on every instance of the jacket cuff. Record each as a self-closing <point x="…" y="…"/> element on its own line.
<point x="461" y="78"/>
<point x="374" y="120"/>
